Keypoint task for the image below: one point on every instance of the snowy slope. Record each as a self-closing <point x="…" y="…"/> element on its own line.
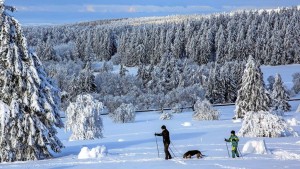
<point x="133" y="145"/>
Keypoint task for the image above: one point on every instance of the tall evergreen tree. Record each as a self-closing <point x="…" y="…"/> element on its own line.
<point x="29" y="103"/>
<point x="279" y="96"/>
<point x="252" y="95"/>
<point x="216" y="86"/>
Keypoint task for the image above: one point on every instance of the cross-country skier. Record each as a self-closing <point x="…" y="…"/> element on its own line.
<point x="166" y="141"/>
<point x="234" y="143"/>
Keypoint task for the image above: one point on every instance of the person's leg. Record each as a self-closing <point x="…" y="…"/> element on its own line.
<point x="237" y="153"/>
<point x="167" y="153"/>
<point x="233" y="151"/>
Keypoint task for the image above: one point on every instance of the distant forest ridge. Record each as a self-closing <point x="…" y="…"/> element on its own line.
<point x="272" y="37"/>
<point x="179" y="59"/>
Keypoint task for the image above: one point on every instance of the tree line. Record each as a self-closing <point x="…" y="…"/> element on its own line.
<point x="271" y="37"/>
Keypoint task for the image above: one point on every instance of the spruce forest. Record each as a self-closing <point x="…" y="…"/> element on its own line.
<point x="175" y="55"/>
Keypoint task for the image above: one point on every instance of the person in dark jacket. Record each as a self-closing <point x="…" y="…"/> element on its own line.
<point x="166" y="141"/>
<point x="234" y="143"/>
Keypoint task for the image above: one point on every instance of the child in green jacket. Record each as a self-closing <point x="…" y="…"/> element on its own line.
<point x="234" y="143"/>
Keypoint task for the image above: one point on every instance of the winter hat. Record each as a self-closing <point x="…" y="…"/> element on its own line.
<point x="163" y="127"/>
<point x="232" y="132"/>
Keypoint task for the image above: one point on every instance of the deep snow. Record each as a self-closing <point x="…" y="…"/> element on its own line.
<point x="133" y="145"/>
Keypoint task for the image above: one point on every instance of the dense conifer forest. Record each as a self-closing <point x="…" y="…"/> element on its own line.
<point x="175" y="55"/>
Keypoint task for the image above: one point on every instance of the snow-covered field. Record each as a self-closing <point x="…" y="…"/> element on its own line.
<point x="133" y="145"/>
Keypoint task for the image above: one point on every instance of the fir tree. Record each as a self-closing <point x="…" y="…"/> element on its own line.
<point x="296" y="82"/>
<point x="252" y="95"/>
<point x="279" y="96"/>
<point x="122" y="71"/>
<point x="216" y="86"/>
<point x="29" y="101"/>
<point x="271" y="81"/>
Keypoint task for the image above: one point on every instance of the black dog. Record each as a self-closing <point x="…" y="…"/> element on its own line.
<point x="190" y="153"/>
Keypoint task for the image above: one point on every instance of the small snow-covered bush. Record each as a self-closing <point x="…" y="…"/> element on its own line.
<point x="204" y="111"/>
<point x="97" y="152"/>
<point x="83" y="118"/>
<point x="264" y="124"/>
<point x="124" y="114"/>
<point x="166" y="116"/>
<point x="293" y="122"/>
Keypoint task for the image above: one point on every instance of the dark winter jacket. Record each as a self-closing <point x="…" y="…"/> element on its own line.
<point x="165" y="135"/>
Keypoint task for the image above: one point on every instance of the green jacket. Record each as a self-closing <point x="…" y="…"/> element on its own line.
<point x="234" y="140"/>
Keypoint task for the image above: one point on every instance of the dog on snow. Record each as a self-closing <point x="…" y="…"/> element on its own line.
<point x="191" y="153"/>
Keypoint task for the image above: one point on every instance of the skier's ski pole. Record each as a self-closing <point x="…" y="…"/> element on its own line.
<point x="240" y="152"/>
<point x="227" y="149"/>
<point x="174" y="147"/>
<point x="172" y="152"/>
<point x="157" y="147"/>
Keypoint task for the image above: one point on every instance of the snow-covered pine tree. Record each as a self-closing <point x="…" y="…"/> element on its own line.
<point x="216" y="86"/>
<point x="144" y="74"/>
<point x="230" y="81"/>
<point x="48" y="51"/>
<point x="30" y="100"/>
<point x="271" y="80"/>
<point x="122" y="71"/>
<point x="204" y="111"/>
<point x="280" y="97"/>
<point x="252" y="95"/>
<point x="84" y="118"/>
<point x="296" y="82"/>
<point x="124" y="114"/>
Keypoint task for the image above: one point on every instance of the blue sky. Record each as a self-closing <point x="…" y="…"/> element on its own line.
<point x="70" y="11"/>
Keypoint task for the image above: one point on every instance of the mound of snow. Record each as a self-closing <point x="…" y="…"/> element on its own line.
<point x="237" y="120"/>
<point x="257" y="147"/>
<point x="186" y="124"/>
<point x="97" y="152"/>
<point x="121" y="140"/>
<point x="284" y="155"/>
<point x="293" y="122"/>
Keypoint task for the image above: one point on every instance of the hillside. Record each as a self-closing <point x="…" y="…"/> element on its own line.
<point x="133" y="145"/>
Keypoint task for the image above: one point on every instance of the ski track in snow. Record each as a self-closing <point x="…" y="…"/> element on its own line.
<point x="228" y="167"/>
<point x="285" y="155"/>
